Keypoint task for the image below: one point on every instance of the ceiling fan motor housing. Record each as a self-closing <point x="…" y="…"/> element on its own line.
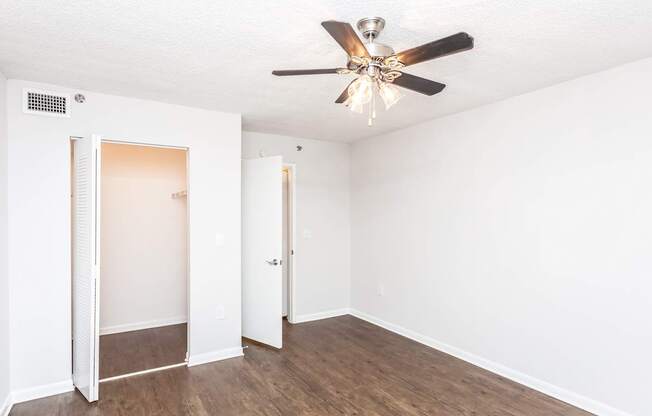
<point x="378" y="49"/>
<point x="370" y="28"/>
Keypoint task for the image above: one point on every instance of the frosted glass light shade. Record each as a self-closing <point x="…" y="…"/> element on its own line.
<point x="390" y="94"/>
<point x="361" y="90"/>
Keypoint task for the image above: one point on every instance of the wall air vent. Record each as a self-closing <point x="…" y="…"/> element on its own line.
<point x="46" y="103"/>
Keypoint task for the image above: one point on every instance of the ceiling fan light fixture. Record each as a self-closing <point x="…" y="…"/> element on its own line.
<point x="361" y="90"/>
<point x="389" y="93"/>
<point x="392" y="62"/>
<point x="378" y="68"/>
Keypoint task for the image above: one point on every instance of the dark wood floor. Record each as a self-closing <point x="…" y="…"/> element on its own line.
<point x="339" y="366"/>
<point x="133" y="351"/>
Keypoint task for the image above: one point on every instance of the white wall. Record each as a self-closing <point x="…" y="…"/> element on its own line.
<point x="144" y="257"/>
<point x="322" y="249"/>
<point x="4" y="276"/>
<point x="520" y="234"/>
<point x="39" y="225"/>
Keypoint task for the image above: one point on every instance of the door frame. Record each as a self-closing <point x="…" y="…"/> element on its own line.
<point x="292" y="240"/>
<point x="187" y="149"/>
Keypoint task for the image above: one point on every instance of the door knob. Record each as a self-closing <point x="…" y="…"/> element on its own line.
<point x="273" y="262"/>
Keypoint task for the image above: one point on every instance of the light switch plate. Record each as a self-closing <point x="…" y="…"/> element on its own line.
<point x="220" y="312"/>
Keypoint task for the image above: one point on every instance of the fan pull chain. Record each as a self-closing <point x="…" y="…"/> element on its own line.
<point x="372" y="108"/>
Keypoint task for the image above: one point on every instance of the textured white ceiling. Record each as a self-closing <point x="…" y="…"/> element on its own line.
<point x="220" y="54"/>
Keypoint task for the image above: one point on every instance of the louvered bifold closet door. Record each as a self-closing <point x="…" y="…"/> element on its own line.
<point x="86" y="264"/>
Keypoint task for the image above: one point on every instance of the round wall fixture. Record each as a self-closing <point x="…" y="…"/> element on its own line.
<point x="80" y="98"/>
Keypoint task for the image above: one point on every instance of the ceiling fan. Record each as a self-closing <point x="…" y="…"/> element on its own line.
<point x="378" y="69"/>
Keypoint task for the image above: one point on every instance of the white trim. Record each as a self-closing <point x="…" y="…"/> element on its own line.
<point x="94" y="391"/>
<point x="130" y="143"/>
<point x="136" y="326"/>
<point x="139" y="373"/>
<point x="209" y="357"/>
<point x="544" y="387"/>
<point x="38" y="392"/>
<point x="5" y="408"/>
<point x="321" y="315"/>
<point x="292" y="240"/>
<point x="171" y="321"/>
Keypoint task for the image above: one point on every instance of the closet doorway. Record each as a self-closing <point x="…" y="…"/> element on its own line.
<point x="143" y="295"/>
<point x="129" y="235"/>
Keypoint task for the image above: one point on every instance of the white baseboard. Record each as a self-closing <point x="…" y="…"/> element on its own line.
<point x="5" y="407"/>
<point x="24" y="395"/>
<point x="209" y="357"/>
<point x="137" y="326"/>
<point x="320" y="315"/>
<point x="559" y="393"/>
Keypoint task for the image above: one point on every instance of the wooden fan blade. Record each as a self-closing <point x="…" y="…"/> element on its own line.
<point x="447" y="46"/>
<point x="344" y="34"/>
<point x="418" y="84"/>
<point x="284" y="73"/>
<point x="345" y="94"/>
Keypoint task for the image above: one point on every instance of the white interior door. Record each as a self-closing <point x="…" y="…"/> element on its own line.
<point x="262" y="228"/>
<point x="86" y="264"/>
